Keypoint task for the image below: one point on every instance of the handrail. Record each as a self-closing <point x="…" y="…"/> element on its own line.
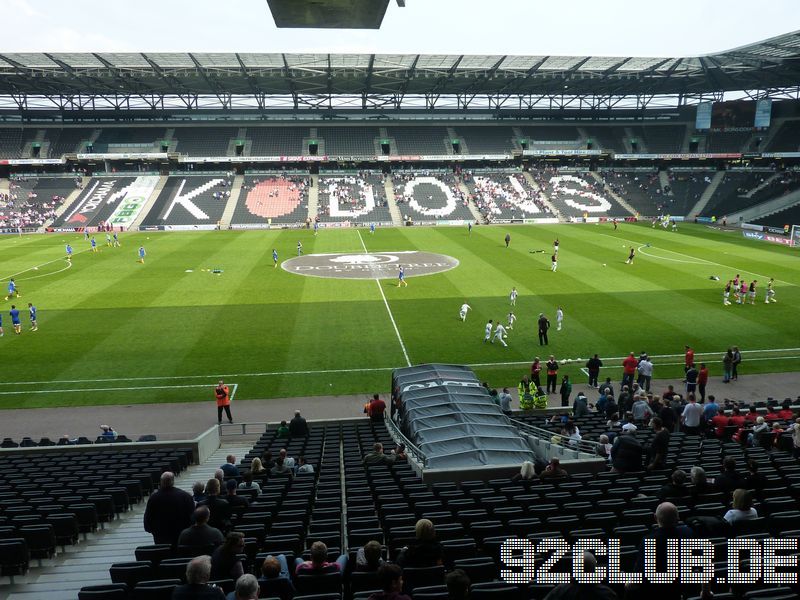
<point x="398" y="435"/>
<point x="547" y="435"/>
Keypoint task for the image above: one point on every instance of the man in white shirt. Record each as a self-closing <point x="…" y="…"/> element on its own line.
<point x="645" y="368"/>
<point x="512" y="318"/>
<point x="505" y="401"/>
<point x="464" y="308"/>
<point x="559" y="318"/>
<point x="692" y="414"/>
<point x="499" y="334"/>
<point x="513" y="296"/>
<point x="488" y="333"/>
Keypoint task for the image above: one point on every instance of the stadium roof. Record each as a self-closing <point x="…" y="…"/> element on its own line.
<point x="767" y="65"/>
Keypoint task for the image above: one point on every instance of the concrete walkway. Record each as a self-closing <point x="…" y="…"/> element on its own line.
<point x="186" y="420"/>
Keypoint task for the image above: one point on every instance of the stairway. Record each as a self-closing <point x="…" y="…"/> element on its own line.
<point x="614" y="195"/>
<point x="394" y="210"/>
<point x="543" y="196"/>
<point x="770" y="207"/>
<point x="313" y="198"/>
<point x="707" y="194"/>
<point x="663" y="180"/>
<point x="70" y="200"/>
<point x="230" y="205"/>
<point x="761" y="185"/>
<point x="641" y="144"/>
<point x="476" y="214"/>
<point x="162" y="181"/>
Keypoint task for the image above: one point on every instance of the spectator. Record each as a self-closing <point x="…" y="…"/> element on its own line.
<point x="236" y="502"/>
<point x="275" y="581"/>
<point x="729" y="479"/>
<point x="645" y="369"/>
<point x="377" y="457"/>
<point x="574" y="591"/>
<point x="711" y="409"/>
<point x="565" y="390"/>
<point x="580" y="406"/>
<point x="303" y="466"/>
<point x="796" y="438"/>
<point x="108" y="433"/>
<point x="692" y="416"/>
<point x="676" y="488"/>
<point x="248" y="483"/>
<point x="283" y="430"/>
<point x="257" y="467"/>
<point x="376" y="408"/>
<point x="287" y="460"/>
<point x="526" y="472"/>
<point x="629" y="369"/>
<point x="457" y="584"/>
<point x="225" y="563"/>
<point x="391" y="581"/>
<point x="593" y="368"/>
<point x="298" y="427"/>
<point x="201" y="533"/>
<point x="626" y="453"/>
<point x="760" y="428"/>
<point x="553" y="470"/>
<point x="219" y="507"/>
<point x="572" y="434"/>
<point x="168" y="511"/>
<point x="246" y="588"/>
<point x="425" y="551"/>
<point x="604" y="447"/>
<point x="755" y="480"/>
<point x="198" y="573"/>
<point x="319" y="565"/>
<point x="702" y="381"/>
<point x="229" y="468"/>
<point x="659" y="446"/>
<point x="368" y="558"/>
<point x="505" y="402"/>
<point x="700" y="483"/>
<point x="641" y="410"/>
<point x="400" y="452"/>
<point x="611" y="407"/>
<point x="786" y="413"/>
<point x="198" y="492"/>
<point x="280" y="469"/>
<point x="742" y="507"/>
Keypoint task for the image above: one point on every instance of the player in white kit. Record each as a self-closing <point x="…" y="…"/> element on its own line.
<point x="499" y="334"/>
<point x="770" y="292"/>
<point x="559" y="318"/>
<point x="513" y="296"/>
<point x="488" y="332"/>
<point x="463" y="314"/>
<point x="512" y="318"/>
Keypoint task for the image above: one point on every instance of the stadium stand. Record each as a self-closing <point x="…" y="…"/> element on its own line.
<point x="733" y="196"/>
<point x="660" y="139"/>
<point x="789" y="216"/>
<point x="347" y="141"/>
<point x="67" y="141"/>
<point x="787" y="138"/>
<point x="32" y="201"/>
<point x="190" y="201"/>
<point x="10" y="142"/>
<point x="356" y="197"/>
<point x="430" y="196"/>
<point x="277" y="141"/>
<point x="575" y="194"/>
<point x="727" y="141"/>
<point x="559" y="133"/>
<point x="96" y="203"/>
<point x="204" y="141"/>
<point x="487" y="140"/>
<point x="684" y="191"/>
<point x="502" y="196"/>
<point x="432" y="140"/>
<point x="275" y="197"/>
<point x="640" y="189"/>
<point x="611" y="138"/>
<point x="129" y="139"/>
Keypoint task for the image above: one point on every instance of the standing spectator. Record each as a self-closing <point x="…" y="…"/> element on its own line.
<point x="657" y="451"/>
<point x="552" y="374"/>
<point x="391" y="581"/>
<point x="222" y="394"/>
<point x="544" y="325"/>
<point x="565" y="390"/>
<point x="198" y="574"/>
<point x="376" y="408"/>
<point x="645" y="368"/>
<point x="626" y="453"/>
<point x="711" y="409"/>
<point x="691" y="380"/>
<point x="505" y="402"/>
<point x="229" y="468"/>
<point x="536" y="370"/>
<point x="688" y="358"/>
<point x="629" y="370"/>
<point x="796" y="438"/>
<point x="298" y="426"/>
<point x="168" y="512"/>
<point x="727" y="366"/>
<point x="580" y="407"/>
<point x="641" y="410"/>
<point x="593" y="367"/>
<point x="692" y="416"/>
<point x="737" y="360"/>
<point x="702" y="381"/>
<point x="219" y="507"/>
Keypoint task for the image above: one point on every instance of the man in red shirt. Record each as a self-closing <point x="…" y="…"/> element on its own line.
<point x="688" y="358"/>
<point x="786" y="412"/>
<point x="702" y="380"/>
<point x="719" y="423"/>
<point x="536" y="369"/>
<point x="376" y="408"/>
<point x="629" y="370"/>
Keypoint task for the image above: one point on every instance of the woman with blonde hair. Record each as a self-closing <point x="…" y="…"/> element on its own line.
<point x="526" y="472"/>
<point x="425" y="551"/>
<point x="742" y="507"/>
<point x="257" y="467"/>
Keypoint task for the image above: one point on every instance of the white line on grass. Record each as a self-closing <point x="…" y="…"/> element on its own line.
<point x="69" y="265"/>
<point x="695" y="259"/>
<point x="36" y="267"/>
<point x="110" y="389"/>
<point x="386" y="303"/>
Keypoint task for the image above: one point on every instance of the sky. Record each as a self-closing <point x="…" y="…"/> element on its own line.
<point x="535" y="27"/>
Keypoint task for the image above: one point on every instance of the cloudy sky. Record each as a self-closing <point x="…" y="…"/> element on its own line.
<point x="580" y="27"/>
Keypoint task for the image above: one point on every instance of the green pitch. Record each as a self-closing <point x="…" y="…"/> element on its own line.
<point x="114" y="331"/>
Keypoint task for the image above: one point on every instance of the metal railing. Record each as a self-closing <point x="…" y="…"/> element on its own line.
<point x="411" y="450"/>
<point x="547" y="435"/>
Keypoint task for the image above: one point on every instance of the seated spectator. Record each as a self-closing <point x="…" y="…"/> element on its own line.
<point x="200" y="533"/>
<point x="786" y="413"/>
<point x="604" y="447"/>
<point x="526" y="472"/>
<point x="777" y="430"/>
<point x="572" y="434"/>
<point x="425" y="551"/>
<point x="229" y="468"/>
<point x="275" y="581"/>
<point x="729" y="479"/>
<point x="771" y="415"/>
<point x="613" y="422"/>
<point x="796" y="438"/>
<point x="400" y="452"/>
<point x="612" y="407"/>
<point x="280" y="468"/>
<point x="246" y="588"/>
<point x="267" y="461"/>
<point x="219" y="507"/>
<point x="303" y="466"/>
<point x="108" y="433"/>
<point x="391" y="580"/>
<point x="257" y="468"/>
<point x="676" y="488"/>
<point x="198" y="492"/>
<point x="761" y="427"/>
<point x="457" y="584"/>
<point x="659" y="446"/>
<point x="287" y="460"/>
<point x="575" y="591"/>
<point x="198" y="574"/>
<point x="752" y="414"/>
<point x="219" y="475"/>
<point x="319" y="565"/>
<point x="700" y="484"/>
<point x="741" y="507"/>
<point x="626" y="453"/>
<point x="225" y="563"/>
<point x="553" y="470"/>
<point x="298" y="427"/>
<point x="248" y="483"/>
<point x="236" y="502"/>
<point x="377" y="457"/>
<point x="283" y="430"/>
<point x="719" y="422"/>
<point x="368" y="558"/>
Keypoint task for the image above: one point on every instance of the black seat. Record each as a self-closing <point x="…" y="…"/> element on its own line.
<point x="131" y="573"/>
<point x="154" y="553"/>
<point x="159" y="589"/>
<point x="41" y="541"/>
<point x="325" y="583"/>
<point x="479" y="570"/>
<point x="14" y="557"/>
<point x="414" y="577"/>
<point x="114" y="591"/>
<point x="493" y="591"/>
<point x="65" y="528"/>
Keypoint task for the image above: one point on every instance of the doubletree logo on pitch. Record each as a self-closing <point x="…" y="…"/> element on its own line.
<point x="373" y="265"/>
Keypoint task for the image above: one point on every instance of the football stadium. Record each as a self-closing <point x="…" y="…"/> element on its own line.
<point x="379" y="325"/>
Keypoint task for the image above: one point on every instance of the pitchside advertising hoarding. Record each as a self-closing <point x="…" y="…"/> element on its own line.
<point x="768" y="237"/>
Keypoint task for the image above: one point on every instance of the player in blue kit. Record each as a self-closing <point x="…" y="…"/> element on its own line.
<point x="69" y="253"/>
<point x="274" y="257"/>
<point x="316" y="227"/>
<point x="116" y="240"/>
<point x="94" y="244"/>
<point x="32" y="311"/>
<point x="15" y="319"/>
<point x="372" y="228"/>
<point x="142" y="254"/>
<point x="401" y="277"/>
<point x="12" y="289"/>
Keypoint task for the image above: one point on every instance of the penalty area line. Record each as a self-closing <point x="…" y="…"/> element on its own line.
<point x="386" y="303"/>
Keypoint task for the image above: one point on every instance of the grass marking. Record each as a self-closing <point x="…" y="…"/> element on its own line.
<point x="44" y="264"/>
<point x="386" y="303"/>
